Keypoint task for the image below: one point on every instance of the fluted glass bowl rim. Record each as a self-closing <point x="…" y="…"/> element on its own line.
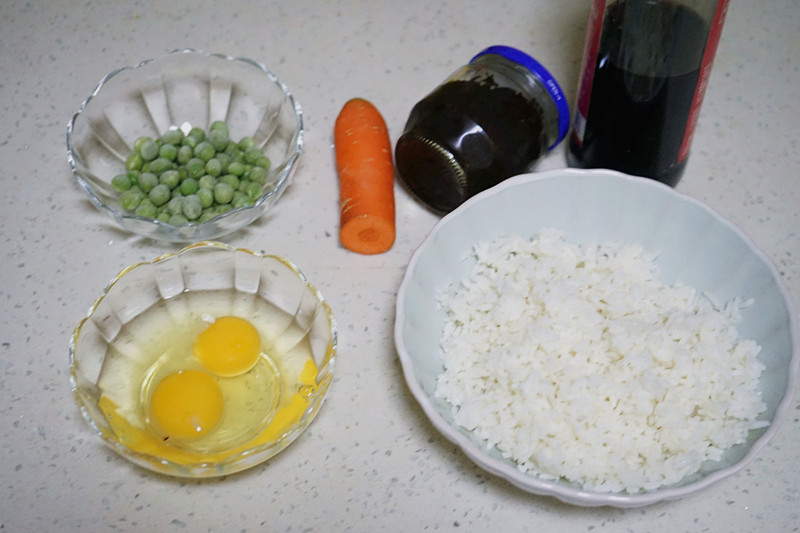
<point x="246" y="458"/>
<point x="441" y="256"/>
<point x="189" y="231"/>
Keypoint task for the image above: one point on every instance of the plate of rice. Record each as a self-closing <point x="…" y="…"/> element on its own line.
<point x="597" y="337"/>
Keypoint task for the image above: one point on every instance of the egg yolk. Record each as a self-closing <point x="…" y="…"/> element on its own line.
<point x="186" y="404"/>
<point x="228" y="347"/>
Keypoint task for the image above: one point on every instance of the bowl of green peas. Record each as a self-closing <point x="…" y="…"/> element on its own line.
<point x="187" y="146"/>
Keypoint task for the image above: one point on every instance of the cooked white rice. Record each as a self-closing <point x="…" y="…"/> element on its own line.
<point x="576" y="362"/>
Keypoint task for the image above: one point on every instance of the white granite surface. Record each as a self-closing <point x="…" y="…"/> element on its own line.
<point x="371" y="461"/>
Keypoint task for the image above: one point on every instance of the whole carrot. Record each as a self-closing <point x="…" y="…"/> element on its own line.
<point x="366" y="178"/>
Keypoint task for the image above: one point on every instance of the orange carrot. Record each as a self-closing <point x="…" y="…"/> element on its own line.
<point x="366" y="178"/>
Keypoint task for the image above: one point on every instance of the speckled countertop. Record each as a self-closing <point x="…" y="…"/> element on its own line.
<point x="371" y="461"/>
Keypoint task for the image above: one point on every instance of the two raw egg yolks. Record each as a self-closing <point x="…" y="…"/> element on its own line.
<point x="188" y="404"/>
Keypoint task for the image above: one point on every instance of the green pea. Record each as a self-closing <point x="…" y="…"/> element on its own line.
<point x="236" y="168"/>
<point x="198" y="133"/>
<point x="206" y="182"/>
<point x="130" y="199"/>
<point x="258" y="175"/>
<point x="146" y="201"/>
<point x="231" y="180"/>
<point x="241" y="201"/>
<point x="163" y="216"/>
<point x="223" y="208"/>
<point x="191" y="141"/>
<point x="177" y="219"/>
<point x="224" y="159"/>
<point x="121" y="182"/>
<point x="207" y="215"/>
<point x="214" y="167"/>
<point x="223" y="193"/>
<point x="206" y="196"/>
<point x="173" y="137"/>
<point x="192" y="207"/>
<point x="196" y="167"/>
<point x="134" y="162"/>
<point x="160" y="194"/>
<point x="146" y="210"/>
<point x="218" y="139"/>
<point x="189" y="186"/>
<point x="146" y="181"/>
<point x="219" y="125"/>
<point x="185" y="154"/>
<point x="175" y="205"/>
<point x="170" y="178"/>
<point x="137" y="144"/>
<point x="148" y="150"/>
<point x="252" y="154"/>
<point x="168" y="151"/>
<point x="160" y="165"/>
<point x="263" y="162"/>
<point x="252" y="190"/>
<point x="234" y="152"/>
<point x="204" y="151"/>
<point x="245" y="143"/>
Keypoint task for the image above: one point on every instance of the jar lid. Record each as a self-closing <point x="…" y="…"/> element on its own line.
<point x="431" y="173"/>
<point x="521" y="58"/>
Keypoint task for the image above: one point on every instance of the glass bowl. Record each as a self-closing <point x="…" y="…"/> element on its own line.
<point x="695" y="246"/>
<point x="183" y="89"/>
<point x="148" y="310"/>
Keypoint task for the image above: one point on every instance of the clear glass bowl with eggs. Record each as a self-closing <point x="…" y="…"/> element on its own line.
<point x="204" y="362"/>
<point x="179" y="91"/>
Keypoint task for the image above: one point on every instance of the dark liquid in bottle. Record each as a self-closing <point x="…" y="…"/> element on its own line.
<point x="465" y="137"/>
<point x="647" y="69"/>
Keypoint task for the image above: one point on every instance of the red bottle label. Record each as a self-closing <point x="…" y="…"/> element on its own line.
<point x="705" y="74"/>
<point x="591" y="47"/>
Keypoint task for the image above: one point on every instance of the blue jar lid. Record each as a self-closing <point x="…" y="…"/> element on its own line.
<point x="546" y="78"/>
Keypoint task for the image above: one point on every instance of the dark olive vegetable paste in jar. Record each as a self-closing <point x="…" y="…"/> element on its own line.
<point x="494" y="118"/>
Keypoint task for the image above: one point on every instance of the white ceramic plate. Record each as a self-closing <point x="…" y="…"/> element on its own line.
<point x="695" y="245"/>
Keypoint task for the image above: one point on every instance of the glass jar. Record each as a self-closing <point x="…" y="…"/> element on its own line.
<point x="493" y="118"/>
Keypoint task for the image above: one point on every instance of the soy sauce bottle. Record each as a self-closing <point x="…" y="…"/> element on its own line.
<point x="646" y="66"/>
